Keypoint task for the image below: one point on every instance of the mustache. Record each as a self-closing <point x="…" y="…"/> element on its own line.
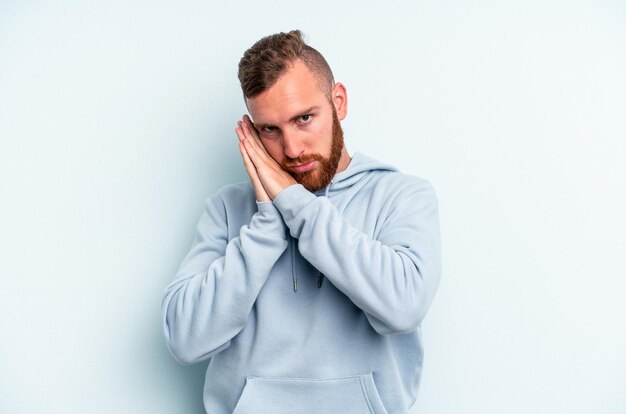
<point x="303" y="159"/>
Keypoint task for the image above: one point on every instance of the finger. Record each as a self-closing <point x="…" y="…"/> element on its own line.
<point x="257" y="152"/>
<point x="245" y="150"/>
<point x="257" y="157"/>
<point x="239" y="131"/>
<point x="247" y="121"/>
<point x="254" y="177"/>
<point x="255" y="137"/>
<point x="252" y="173"/>
<point x="254" y="140"/>
<point x="244" y="135"/>
<point x="249" y="129"/>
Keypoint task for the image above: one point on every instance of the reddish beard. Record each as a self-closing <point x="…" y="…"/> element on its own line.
<point x="321" y="176"/>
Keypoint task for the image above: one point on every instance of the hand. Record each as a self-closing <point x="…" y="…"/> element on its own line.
<point x="272" y="177"/>
<point x="259" y="191"/>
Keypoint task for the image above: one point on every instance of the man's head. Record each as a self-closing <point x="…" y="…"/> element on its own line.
<point x="270" y="57"/>
<point x="296" y="107"/>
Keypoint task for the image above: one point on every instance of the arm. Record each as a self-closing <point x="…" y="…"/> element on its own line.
<point x="393" y="278"/>
<point x="209" y="301"/>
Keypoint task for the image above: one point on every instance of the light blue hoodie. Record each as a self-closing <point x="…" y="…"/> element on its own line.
<point x="311" y="303"/>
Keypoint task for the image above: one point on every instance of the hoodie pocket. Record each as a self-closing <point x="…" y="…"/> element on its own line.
<point x="349" y="395"/>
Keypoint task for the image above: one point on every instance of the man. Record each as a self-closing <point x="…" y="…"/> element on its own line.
<point x="306" y="286"/>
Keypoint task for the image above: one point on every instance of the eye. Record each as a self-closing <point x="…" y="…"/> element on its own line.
<point x="305" y="118"/>
<point x="269" y="129"/>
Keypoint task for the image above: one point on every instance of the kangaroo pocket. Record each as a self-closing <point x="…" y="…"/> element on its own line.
<point x="349" y="395"/>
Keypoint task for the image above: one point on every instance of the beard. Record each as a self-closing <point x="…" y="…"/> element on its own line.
<point x="321" y="176"/>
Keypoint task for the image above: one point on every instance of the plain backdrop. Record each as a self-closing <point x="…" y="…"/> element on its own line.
<point x="117" y="121"/>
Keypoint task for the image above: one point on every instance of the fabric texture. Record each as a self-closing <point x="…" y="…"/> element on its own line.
<point x="313" y="302"/>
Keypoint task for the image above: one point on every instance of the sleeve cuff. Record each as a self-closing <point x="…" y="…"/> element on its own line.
<point x="266" y="207"/>
<point x="292" y="200"/>
<point x="268" y="219"/>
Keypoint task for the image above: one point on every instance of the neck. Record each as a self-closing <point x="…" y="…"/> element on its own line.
<point x="344" y="161"/>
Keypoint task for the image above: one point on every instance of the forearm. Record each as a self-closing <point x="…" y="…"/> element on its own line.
<point x="392" y="278"/>
<point x="209" y="301"/>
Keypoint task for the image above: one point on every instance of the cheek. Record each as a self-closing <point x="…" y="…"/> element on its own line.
<point x="323" y="138"/>
<point x="274" y="149"/>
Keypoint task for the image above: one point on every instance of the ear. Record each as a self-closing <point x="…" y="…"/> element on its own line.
<point x="340" y="100"/>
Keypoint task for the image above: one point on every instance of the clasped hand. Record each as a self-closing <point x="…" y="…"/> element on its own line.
<point x="267" y="176"/>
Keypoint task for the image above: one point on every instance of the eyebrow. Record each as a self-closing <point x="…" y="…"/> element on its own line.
<point x="293" y="118"/>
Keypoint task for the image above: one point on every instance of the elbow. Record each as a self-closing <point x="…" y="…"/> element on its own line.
<point x="398" y="323"/>
<point x="406" y="323"/>
<point x="400" y="320"/>
<point x="402" y="316"/>
<point x="182" y="353"/>
<point x="181" y="348"/>
<point x="407" y="311"/>
<point x="178" y="340"/>
<point x="405" y="305"/>
<point x="186" y="351"/>
<point x="187" y="346"/>
<point x="184" y="346"/>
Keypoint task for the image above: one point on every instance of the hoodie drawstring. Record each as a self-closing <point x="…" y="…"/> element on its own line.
<point x="320" y="276"/>
<point x="293" y="264"/>
<point x="292" y="246"/>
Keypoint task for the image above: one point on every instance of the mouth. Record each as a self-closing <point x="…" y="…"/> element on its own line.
<point x="299" y="169"/>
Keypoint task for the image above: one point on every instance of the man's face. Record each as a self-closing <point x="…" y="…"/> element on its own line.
<point x="299" y="127"/>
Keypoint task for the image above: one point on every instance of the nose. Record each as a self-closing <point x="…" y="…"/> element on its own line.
<point x="293" y="145"/>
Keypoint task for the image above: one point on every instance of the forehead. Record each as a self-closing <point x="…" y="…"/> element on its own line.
<point x="294" y="91"/>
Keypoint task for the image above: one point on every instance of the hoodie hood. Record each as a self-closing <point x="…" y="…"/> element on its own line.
<point x="359" y="167"/>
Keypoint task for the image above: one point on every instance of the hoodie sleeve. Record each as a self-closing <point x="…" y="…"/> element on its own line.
<point x="393" y="277"/>
<point x="209" y="300"/>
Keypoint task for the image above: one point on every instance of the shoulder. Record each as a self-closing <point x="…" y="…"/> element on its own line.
<point x="387" y="178"/>
<point x="397" y="184"/>
<point x="237" y="191"/>
<point x="233" y="196"/>
<point x="399" y="179"/>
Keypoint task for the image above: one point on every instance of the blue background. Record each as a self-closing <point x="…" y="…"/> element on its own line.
<point x="117" y="120"/>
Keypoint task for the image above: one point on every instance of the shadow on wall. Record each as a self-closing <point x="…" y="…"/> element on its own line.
<point x="183" y="383"/>
<point x="191" y="378"/>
